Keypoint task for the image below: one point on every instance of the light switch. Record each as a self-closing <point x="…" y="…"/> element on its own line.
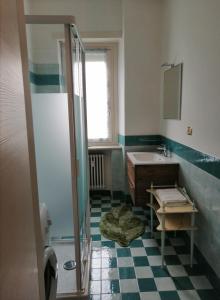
<point x="189" y="130"/>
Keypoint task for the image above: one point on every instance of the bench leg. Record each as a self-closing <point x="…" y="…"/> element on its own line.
<point x="192" y="239"/>
<point x="151" y="215"/>
<point x="162" y="246"/>
<point x="191" y="247"/>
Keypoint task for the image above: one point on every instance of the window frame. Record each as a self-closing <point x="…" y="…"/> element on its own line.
<point x="112" y="68"/>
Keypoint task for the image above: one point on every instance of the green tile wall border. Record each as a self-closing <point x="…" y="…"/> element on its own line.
<point x="206" y="162"/>
<point x="139" y="140"/>
<point x="44" y="79"/>
<point x="203" y="161"/>
<point x="121" y="139"/>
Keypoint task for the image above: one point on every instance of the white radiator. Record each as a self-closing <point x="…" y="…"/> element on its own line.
<point x="97" y="171"/>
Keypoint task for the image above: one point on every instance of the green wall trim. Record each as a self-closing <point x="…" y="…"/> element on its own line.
<point x="44" y="79"/>
<point x="207" y="163"/>
<point x="121" y="139"/>
<point x="139" y="140"/>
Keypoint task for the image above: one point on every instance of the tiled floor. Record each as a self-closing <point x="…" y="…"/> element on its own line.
<point x="135" y="273"/>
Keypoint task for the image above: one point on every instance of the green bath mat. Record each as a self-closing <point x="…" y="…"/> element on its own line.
<point x="121" y="225"/>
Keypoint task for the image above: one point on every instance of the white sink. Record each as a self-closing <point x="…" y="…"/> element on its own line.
<point x="149" y="158"/>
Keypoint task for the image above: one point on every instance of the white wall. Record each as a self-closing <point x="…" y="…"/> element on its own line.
<point x="95" y="19"/>
<point x="43" y="41"/>
<point x="91" y="16"/>
<point x="191" y="34"/>
<point x="139" y="51"/>
<point x="142" y="44"/>
<point x="26" y="7"/>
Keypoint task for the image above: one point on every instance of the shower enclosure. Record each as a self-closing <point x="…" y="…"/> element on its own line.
<point x="57" y="80"/>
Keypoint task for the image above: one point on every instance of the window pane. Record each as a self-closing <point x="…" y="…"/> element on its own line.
<point x="97" y="94"/>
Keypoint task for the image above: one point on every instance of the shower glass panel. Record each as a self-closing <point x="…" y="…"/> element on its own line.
<point x="81" y="141"/>
<point x="52" y="142"/>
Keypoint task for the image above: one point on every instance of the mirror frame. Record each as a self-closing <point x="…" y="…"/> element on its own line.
<point x="172" y="92"/>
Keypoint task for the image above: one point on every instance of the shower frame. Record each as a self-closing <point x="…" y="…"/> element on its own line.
<point x="69" y="27"/>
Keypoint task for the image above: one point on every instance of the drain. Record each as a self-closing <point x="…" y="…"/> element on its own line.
<point x="69" y="265"/>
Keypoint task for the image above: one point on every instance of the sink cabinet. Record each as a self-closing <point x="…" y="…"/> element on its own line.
<point x="140" y="178"/>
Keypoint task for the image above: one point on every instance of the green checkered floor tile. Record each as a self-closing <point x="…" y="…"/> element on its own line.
<point x="135" y="273"/>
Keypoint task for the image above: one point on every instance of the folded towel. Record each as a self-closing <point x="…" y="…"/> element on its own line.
<point x="171" y="195"/>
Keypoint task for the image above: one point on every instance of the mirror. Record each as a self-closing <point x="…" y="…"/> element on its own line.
<point x="172" y="92"/>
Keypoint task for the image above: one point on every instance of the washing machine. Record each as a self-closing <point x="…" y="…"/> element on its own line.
<point x="50" y="259"/>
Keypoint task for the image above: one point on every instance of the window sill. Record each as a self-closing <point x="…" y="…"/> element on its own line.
<point x="104" y="147"/>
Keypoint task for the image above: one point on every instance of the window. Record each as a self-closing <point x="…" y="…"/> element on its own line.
<point x="101" y="92"/>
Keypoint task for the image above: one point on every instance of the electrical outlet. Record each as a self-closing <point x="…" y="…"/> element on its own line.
<point x="189" y="130"/>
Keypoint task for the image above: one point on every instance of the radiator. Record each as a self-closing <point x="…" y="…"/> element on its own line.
<point x="96" y="170"/>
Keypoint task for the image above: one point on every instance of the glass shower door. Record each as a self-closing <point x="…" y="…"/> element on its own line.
<point x="81" y="145"/>
<point x="57" y="80"/>
<point x="49" y="99"/>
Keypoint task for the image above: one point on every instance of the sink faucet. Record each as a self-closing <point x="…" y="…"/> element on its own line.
<point x="163" y="149"/>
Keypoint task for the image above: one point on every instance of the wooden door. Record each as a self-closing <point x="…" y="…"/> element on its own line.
<point x="20" y="249"/>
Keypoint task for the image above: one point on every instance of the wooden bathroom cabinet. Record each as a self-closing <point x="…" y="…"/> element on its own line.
<point x="140" y="178"/>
